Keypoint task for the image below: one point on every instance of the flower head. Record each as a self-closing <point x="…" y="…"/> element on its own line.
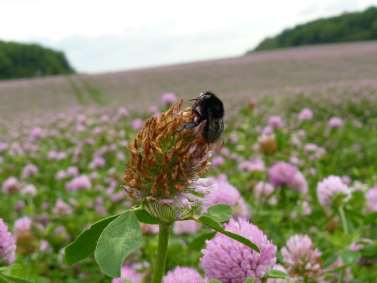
<point x="30" y="190"/>
<point x="305" y="114"/>
<point x="285" y="174"/>
<point x="372" y="199"/>
<point x="72" y="171"/>
<point x="62" y="208"/>
<point x="331" y="191"/>
<point x="252" y="165"/>
<point x="123" y="112"/>
<point x="97" y="162"/>
<point x="233" y="138"/>
<point x="36" y="133"/>
<point x="168" y="98"/>
<point x="217" y="161"/>
<point x="301" y="259"/>
<point x="186" y="227"/>
<point x="7" y="245"/>
<point x="44" y="246"/>
<point x="57" y="155"/>
<point x="305" y="207"/>
<point x="267" y="143"/>
<point x="3" y="146"/>
<point x="299" y="183"/>
<point x="136" y="124"/>
<point x="128" y="273"/>
<point x="11" y="185"/>
<point x="183" y="275"/>
<point x="149" y="228"/>
<point x="27" y="243"/>
<point x="29" y="170"/>
<point x="281" y="173"/>
<point x="153" y="109"/>
<point x="78" y="183"/>
<point x="60" y="175"/>
<point x="22" y="225"/>
<point x="165" y="159"/>
<point x="335" y="122"/>
<point x="263" y="190"/>
<point x="275" y="122"/>
<point x="222" y="192"/>
<point x="232" y="262"/>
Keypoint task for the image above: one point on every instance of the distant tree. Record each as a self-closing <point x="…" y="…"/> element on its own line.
<point x="346" y="27"/>
<point x="19" y="60"/>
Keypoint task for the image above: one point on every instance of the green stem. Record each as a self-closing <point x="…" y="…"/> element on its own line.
<point x="343" y="219"/>
<point x="162" y="253"/>
<point x="283" y="195"/>
<point x="341" y="276"/>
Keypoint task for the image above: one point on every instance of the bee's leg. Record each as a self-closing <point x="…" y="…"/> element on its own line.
<point x="197" y="120"/>
<point x="190" y="125"/>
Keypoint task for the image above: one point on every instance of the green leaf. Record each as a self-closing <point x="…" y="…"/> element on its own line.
<point x="86" y="242"/>
<point x="198" y="242"/>
<point x="349" y="257"/>
<point x="220" y="212"/>
<point x="371" y="218"/>
<point x="22" y="270"/>
<point x="144" y="217"/>
<point x="120" y="238"/>
<point x="2" y="279"/>
<point x="12" y="279"/>
<point x="16" y="273"/>
<point x="241" y="239"/>
<point x="276" y="274"/>
<point x="209" y="221"/>
<point x="249" y="280"/>
<point x="370" y="251"/>
<point x="329" y="260"/>
<point x="214" y="281"/>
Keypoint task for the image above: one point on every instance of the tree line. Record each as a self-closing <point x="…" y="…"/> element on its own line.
<point x="19" y="60"/>
<point x="356" y="26"/>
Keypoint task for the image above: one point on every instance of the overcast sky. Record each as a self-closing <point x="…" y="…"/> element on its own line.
<point x="123" y="34"/>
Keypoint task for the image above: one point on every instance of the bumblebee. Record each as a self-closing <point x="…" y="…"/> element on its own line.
<point x="208" y="108"/>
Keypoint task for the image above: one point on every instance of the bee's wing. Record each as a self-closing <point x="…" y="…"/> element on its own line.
<point x="221" y="126"/>
<point x="216" y="126"/>
<point x="218" y="144"/>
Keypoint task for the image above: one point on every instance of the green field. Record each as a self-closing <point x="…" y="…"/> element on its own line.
<point x="298" y="160"/>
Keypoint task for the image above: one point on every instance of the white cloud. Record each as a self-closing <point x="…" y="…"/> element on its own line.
<point x="117" y="34"/>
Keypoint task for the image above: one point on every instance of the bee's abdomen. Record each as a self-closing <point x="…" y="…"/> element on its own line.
<point x="212" y="130"/>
